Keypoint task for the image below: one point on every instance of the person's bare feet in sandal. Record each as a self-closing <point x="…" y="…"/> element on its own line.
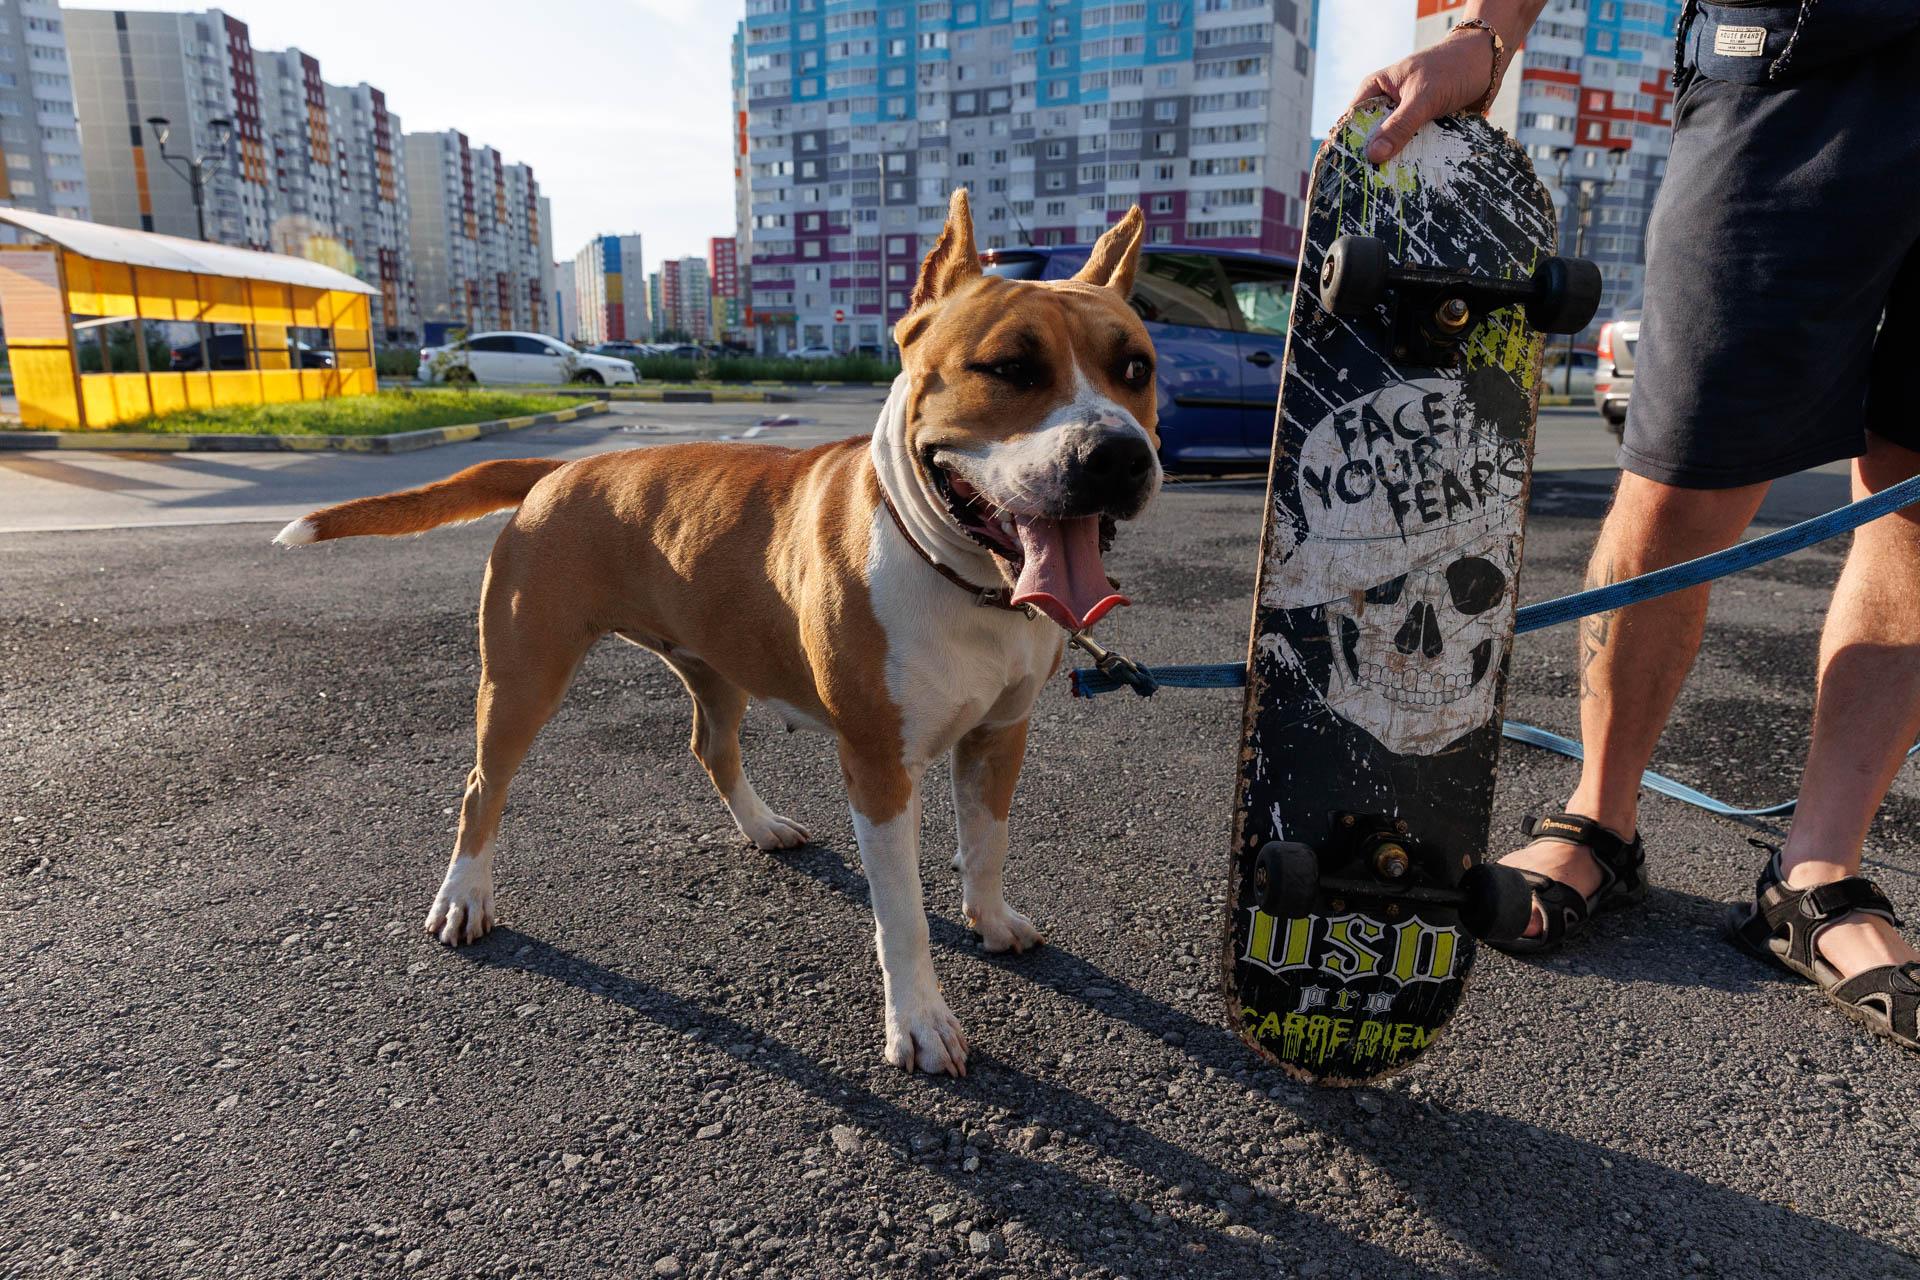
<point x="1855" y="943"/>
<point x="1834" y="927"/>
<point x="1571" y="864"/>
<point x="1577" y="867"/>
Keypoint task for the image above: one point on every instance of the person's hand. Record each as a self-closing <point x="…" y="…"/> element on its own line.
<point x="1436" y="81"/>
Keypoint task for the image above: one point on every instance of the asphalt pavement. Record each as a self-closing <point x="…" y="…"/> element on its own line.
<point x="228" y="775"/>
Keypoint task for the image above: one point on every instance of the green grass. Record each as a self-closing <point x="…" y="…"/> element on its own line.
<point x="378" y="415"/>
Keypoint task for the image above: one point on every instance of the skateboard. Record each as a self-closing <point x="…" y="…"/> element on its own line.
<point x="1384" y="608"/>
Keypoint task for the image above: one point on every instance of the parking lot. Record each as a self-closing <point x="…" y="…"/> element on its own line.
<point x="227" y="780"/>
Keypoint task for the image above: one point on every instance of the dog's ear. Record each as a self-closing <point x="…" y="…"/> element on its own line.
<point x="1116" y="254"/>
<point x="953" y="260"/>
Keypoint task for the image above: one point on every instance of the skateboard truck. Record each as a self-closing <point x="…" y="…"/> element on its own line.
<point x="1433" y="310"/>
<point x="1376" y="858"/>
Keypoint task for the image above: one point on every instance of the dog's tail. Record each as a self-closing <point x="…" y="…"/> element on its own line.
<point x="467" y="495"/>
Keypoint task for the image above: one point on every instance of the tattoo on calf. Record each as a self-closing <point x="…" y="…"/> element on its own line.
<point x="1596" y="630"/>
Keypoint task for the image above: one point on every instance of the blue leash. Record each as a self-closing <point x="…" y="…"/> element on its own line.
<point x="1514" y="731"/>
<point x="1119" y="673"/>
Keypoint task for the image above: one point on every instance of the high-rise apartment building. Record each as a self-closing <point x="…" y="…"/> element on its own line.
<point x="860" y="120"/>
<point x="298" y="127"/>
<point x="41" y="166"/>
<point x="481" y="249"/>
<point x="372" y="206"/>
<point x="192" y="69"/>
<point x="305" y="167"/>
<point x="723" y="267"/>
<point x="686" y="298"/>
<point x="1590" y="97"/>
<point x="612" y="291"/>
<point x="564" y="298"/>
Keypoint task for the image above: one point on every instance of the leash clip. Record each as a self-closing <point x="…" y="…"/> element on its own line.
<point x="1115" y="666"/>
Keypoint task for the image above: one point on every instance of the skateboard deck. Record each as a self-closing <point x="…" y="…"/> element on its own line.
<point x="1385" y="601"/>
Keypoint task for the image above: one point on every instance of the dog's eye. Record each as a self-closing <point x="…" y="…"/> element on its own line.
<point x="1018" y="373"/>
<point x="1137" y="373"/>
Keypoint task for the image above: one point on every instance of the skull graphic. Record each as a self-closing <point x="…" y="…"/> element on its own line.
<point x="1409" y="510"/>
<point x="1413" y="658"/>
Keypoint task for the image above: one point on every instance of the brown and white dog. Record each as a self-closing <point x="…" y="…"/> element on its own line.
<point x="841" y="586"/>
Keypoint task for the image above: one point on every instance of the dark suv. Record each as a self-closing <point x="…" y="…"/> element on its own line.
<point x="1218" y="320"/>
<point x="229" y="351"/>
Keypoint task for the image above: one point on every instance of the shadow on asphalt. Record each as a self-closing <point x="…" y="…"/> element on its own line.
<point x="1585" y="493"/>
<point x="1020" y="1188"/>
<point x="1444" y="1160"/>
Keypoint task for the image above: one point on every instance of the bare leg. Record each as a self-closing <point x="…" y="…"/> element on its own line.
<point x="523" y="675"/>
<point x="986" y="767"/>
<point x="920" y="1030"/>
<point x="1867" y="711"/>
<point x="718" y="707"/>
<point x="1634" y="661"/>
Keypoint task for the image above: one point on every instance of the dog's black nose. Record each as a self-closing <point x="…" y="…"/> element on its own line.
<point x="1113" y="475"/>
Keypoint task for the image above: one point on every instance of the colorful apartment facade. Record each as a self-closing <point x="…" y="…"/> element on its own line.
<point x="1590" y="97"/>
<point x="853" y="123"/>
<point x="686" y="302"/>
<point x="610" y="288"/>
<point x="723" y="268"/>
<point x="42" y="168"/>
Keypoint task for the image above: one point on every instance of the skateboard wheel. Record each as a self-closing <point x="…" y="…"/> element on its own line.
<point x="1286" y="879"/>
<point x="1353" y="279"/>
<point x="1495" y="902"/>
<point x="1566" y="295"/>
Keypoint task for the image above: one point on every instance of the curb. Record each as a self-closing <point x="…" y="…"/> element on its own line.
<point x="723" y="395"/>
<point x="398" y="442"/>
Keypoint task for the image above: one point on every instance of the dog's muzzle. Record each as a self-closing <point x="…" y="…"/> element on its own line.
<point x="1111" y="473"/>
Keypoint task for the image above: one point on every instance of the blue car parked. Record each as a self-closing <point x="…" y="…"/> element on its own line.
<point x="1218" y="320"/>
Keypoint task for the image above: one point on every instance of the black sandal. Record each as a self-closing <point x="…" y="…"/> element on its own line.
<point x="1783" y="925"/>
<point x="1564" y="911"/>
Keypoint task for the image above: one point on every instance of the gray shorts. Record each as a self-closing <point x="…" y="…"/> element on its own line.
<point x="1781" y="320"/>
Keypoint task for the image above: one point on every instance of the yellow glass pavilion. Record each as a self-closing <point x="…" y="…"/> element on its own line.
<point x="83" y="276"/>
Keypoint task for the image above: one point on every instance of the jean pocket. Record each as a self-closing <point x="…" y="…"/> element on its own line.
<point x="1737" y="44"/>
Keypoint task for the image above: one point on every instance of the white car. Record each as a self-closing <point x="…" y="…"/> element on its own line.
<point x="812" y="353"/>
<point x="515" y="358"/>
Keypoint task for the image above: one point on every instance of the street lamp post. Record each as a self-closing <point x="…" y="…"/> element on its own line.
<point x="1583" y="209"/>
<point x="198" y="169"/>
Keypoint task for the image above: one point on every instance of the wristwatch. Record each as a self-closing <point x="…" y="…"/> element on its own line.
<point x="1499" y="56"/>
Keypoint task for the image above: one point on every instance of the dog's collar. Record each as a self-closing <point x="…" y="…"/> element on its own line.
<point x="988" y="597"/>
<point x="927" y="531"/>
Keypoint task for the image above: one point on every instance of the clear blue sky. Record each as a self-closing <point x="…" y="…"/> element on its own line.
<point x="621" y="106"/>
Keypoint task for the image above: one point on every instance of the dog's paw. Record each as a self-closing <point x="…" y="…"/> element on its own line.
<point x="769" y="831"/>
<point x="923" y="1034"/>
<point x="463" y="909"/>
<point x="1004" y="929"/>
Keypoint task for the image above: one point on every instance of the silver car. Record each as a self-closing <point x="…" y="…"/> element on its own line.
<point x="1613" y="378"/>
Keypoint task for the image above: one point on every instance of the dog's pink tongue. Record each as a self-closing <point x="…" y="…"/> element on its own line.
<point x="1061" y="574"/>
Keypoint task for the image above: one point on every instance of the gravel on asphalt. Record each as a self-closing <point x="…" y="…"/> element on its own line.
<point x="228" y="778"/>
